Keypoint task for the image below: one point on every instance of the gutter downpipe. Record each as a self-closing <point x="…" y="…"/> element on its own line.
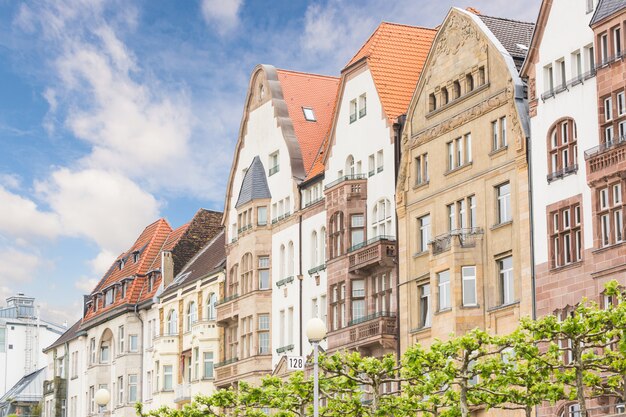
<point x="397" y="127"/>
<point x="300" y="277"/>
<point x="532" y="233"/>
<point x="142" y="341"/>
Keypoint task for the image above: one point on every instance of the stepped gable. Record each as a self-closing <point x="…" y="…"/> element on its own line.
<point x="210" y="259"/>
<point x="395" y="55"/>
<point x="606" y="8"/>
<point x="515" y="36"/>
<point x="147" y="246"/>
<point x="254" y="185"/>
<point x="317" y="92"/>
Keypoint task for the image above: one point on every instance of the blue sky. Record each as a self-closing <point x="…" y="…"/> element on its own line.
<point x="114" y="113"/>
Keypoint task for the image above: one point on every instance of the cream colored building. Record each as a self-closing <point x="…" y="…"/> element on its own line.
<point x="462" y="197"/>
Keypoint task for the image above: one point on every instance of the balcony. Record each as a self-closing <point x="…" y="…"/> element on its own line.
<point x="244" y="228"/>
<point x="56" y="387"/>
<point x="466" y="239"/>
<point x="249" y="369"/>
<point x="182" y="393"/>
<point x="228" y="307"/>
<point x="372" y="326"/>
<point x="284" y="349"/>
<point x="317" y="269"/>
<point x="166" y="344"/>
<point x="606" y="155"/>
<point x="553" y="176"/>
<point x="339" y="180"/>
<point x="274" y="170"/>
<point x="281" y="217"/>
<point x="315" y="201"/>
<point x="380" y="250"/>
<point x="284" y="281"/>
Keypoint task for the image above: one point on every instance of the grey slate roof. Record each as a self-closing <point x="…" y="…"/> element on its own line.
<point x="511" y="33"/>
<point x="254" y="184"/>
<point x="70" y="334"/>
<point x="605" y="9"/>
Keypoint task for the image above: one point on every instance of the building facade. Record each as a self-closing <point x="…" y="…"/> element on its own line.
<point x="462" y="196"/>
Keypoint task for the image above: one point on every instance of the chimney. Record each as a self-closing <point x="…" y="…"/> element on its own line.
<point x="167" y="268"/>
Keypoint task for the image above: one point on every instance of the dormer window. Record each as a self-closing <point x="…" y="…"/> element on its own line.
<point x="309" y="114"/>
<point x="150" y="282"/>
<point x="124" y="285"/>
<point x="109" y="297"/>
<point x="135" y="257"/>
<point x="122" y="263"/>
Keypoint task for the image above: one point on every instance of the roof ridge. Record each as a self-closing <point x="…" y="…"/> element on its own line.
<point x="201" y="251"/>
<point x="507" y="19"/>
<point x="407" y="25"/>
<point x="306" y="73"/>
<point x="152" y="238"/>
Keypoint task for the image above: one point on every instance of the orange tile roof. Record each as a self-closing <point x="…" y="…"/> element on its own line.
<point x="148" y="245"/>
<point x="174" y="237"/>
<point x="396" y="55"/>
<point x="317" y="92"/>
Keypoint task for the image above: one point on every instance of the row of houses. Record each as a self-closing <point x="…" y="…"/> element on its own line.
<point x="433" y="187"/>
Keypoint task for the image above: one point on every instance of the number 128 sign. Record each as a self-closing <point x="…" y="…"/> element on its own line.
<point x="295" y="363"/>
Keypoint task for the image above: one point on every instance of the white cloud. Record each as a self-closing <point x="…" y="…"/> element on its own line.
<point x="21" y="218"/>
<point x="222" y="15"/>
<point x="10" y="181"/>
<point x="86" y="285"/>
<point x="20" y="267"/>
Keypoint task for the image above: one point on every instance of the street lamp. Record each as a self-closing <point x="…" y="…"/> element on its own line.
<point x="315" y="332"/>
<point x="102" y="398"/>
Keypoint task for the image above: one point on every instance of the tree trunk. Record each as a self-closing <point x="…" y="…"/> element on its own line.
<point x="580" y="385"/>
<point x="528" y="411"/>
<point x="463" y="401"/>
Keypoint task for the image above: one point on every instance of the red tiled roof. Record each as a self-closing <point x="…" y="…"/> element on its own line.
<point x="395" y="55"/>
<point x="317" y="92"/>
<point x="174" y="237"/>
<point x="148" y="245"/>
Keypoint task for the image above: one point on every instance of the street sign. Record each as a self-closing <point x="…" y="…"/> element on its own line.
<point x="295" y="363"/>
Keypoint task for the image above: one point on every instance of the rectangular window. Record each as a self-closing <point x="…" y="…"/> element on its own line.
<point x="208" y="365"/>
<point x="149" y="385"/>
<point x="507" y="285"/>
<point x="133" y="341"/>
<point x="264" y="343"/>
<point x="504" y="202"/>
<point x="421" y="169"/>
<point x="608" y="109"/>
<point x="621" y="104"/>
<point x="120" y="338"/>
<point x="353" y="108"/>
<point x="358" y="288"/>
<point x="92" y="402"/>
<point x="132" y="388"/>
<point x="443" y="279"/>
<point x="424" y="232"/>
<point x="357" y="229"/>
<point x="605" y="229"/>
<point x="608" y="135"/>
<point x="451" y="217"/>
<point x="167" y="378"/>
<point x="619" y="225"/>
<point x="548" y="79"/>
<point x="617" y="194"/>
<point x="604" y="198"/>
<point x="460" y="206"/>
<point x="503" y="138"/>
<point x="274" y="163"/>
<point x="450" y="147"/>
<point x="380" y="161"/>
<point x="120" y="390"/>
<point x="577" y="64"/>
<point x="562" y="76"/>
<point x="104" y="353"/>
<point x="362" y="105"/>
<point x="469" y="285"/>
<point x="290" y="317"/>
<point x="472" y="217"/>
<point x="589" y="6"/>
<point x="591" y="58"/>
<point x="468" y="148"/>
<point x="617" y="42"/>
<point x="264" y="321"/>
<point x="604" y="48"/>
<point x="261" y="216"/>
<point x="458" y="144"/>
<point x="264" y="273"/>
<point x="424" y="307"/>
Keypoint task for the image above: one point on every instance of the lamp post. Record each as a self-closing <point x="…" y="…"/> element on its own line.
<point x="315" y="332"/>
<point x="102" y="398"/>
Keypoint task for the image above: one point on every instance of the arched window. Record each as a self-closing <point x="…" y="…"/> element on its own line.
<point x="246" y="273"/>
<point x="282" y="259"/>
<point x="562" y="149"/>
<point x="233" y="281"/>
<point x="172" y="323"/>
<point x="290" y="260"/>
<point x="322" y="251"/>
<point x="469" y="83"/>
<point x="381" y="219"/>
<point x="456" y="90"/>
<point x="444" y="96"/>
<point x="432" y="102"/>
<point x="192" y="315"/>
<point x="336" y="234"/>
<point x="211" y="306"/>
<point x="570" y="410"/>
<point x="314" y="249"/>
<point x="350" y="168"/>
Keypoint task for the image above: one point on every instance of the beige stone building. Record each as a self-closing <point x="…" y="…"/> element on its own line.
<point x="462" y="197"/>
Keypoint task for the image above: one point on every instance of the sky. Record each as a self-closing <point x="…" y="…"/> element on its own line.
<point x="115" y="113"/>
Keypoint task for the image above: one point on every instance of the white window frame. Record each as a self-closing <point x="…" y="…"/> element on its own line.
<point x="443" y="283"/>
<point x="470" y="297"/>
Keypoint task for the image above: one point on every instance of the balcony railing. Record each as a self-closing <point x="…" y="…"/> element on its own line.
<point x="378" y="326"/>
<point x="603" y="147"/>
<point x="281" y="217"/>
<point x="317" y="269"/>
<point x="362" y="112"/>
<point x="227" y="299"/>
<point x="562" y="172"/>
<point x="284" y="349"/>
<point x="547" y="94"/>
<point x="182" y="392"/>
<point x="353" y="118"/>
<point x="284" y="281"/>
<point x="345" y="178"/>
<point x="226" y="362"/>
<point x="372" y="316"/>
<point x="370" y="241"/>
<point x="244" y="228"/>
<point x="467" y="239"/>
<point x="274" y="170"/>
<point x="317" y="200"/>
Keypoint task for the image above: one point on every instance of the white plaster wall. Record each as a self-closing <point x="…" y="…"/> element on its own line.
<point x="567" y="30"/>
<point x="362" y="138"/>
<point x="263" y="138"/>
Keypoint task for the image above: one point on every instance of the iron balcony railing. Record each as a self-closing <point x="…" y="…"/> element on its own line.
<point x="603" y="147"/>
<point x="317" y="200"/>
<point x="226" y="362"/>
<point x="362" y="112"/>
<point x="353" y="118"/>
<point x="274" y="170"/>
<point x="562" y="172"/>
<point x="466" y="236"/>
<point x="345" y="178"/>
<point x="244" y="228"/>
<point x="372" y="316"/>
<point x="370" y="241"/>
<point x="284" y="281"/>
<point x="227" y="299"/>
<point x="547" y="94"/>
<point x="281" y="217"/>
<point x="284" y="349"/>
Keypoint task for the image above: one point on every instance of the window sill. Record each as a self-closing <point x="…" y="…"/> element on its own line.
<point x="444" y="310"/>
<point x="609" y="247"/>
<point x="420" y="254"/>
<point x="470" y="307"/>
<point x="458" y="169"/>
<point x="419" y="330"/>
<point x="208" y="378"/>
<point x="497" y="152"/>
<point x="503" y="306"/>
<point x="571" y="265"/>
<point x="421" y="185"/>
<point x="501" y="225"/>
